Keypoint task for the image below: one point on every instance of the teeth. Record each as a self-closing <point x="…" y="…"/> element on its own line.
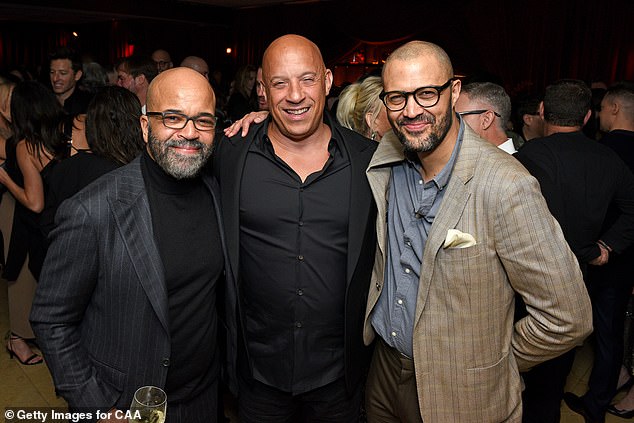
<point x="297" y="111"/>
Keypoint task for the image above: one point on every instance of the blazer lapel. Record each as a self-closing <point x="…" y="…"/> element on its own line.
<point x="234" y="154"/>
<point x="360" y="202"/>
<point x="132" y="216"/>
<point x="378" y="174"/>
<point x="449" y="213"/>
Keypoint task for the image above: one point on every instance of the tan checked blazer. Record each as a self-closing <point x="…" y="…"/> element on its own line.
<point x="467" y="352"/>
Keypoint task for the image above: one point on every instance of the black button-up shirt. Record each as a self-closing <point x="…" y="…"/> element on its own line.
<point x="293" y="251"/>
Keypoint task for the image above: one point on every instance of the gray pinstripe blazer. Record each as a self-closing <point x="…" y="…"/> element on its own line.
<point x="467" y="352"/>
<point x="100" y="312"/>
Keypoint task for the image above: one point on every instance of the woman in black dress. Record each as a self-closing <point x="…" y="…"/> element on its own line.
<point x="37" y="143"/>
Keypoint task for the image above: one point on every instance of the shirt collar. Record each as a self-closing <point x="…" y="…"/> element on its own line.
<point x="508" y="146"/>
<point x="335" y="146"/>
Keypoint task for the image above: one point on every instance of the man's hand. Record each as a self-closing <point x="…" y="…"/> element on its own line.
<point x="245" y="122"/>
<point x="603" y="258"/>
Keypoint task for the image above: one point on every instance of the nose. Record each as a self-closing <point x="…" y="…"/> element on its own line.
<point x="189" y="132"/>
<point x="295" y="93"/>
<point x="412" y="108"/>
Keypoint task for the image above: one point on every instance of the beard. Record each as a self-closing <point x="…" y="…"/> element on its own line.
<point x="178" y="165"/>
<point x="416" y="142"/>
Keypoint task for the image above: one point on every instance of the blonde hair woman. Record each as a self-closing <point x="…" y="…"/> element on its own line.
<point x="361" y="109"/>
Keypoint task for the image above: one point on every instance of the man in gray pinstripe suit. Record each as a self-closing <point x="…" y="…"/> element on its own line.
<point x="462" y="226"/>
<point x="127" y="295"/>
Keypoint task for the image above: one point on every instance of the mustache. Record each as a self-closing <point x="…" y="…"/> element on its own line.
<point x="185" y="143"/>
<point x="422" y="118"/>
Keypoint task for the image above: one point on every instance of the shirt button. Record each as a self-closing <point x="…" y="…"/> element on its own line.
<point x="407" y="271"/>
<point x="300" y="292"/>
<point x="300" y="258"/>
<point x="165" y="362"/>
<point x="400" y="302"/>
<point x="393" y="334"/>
<point x="298" y="324"/>
<point x="409" y="244"/>
<point x="420" y="182"/>
<point x="378" y="286"/>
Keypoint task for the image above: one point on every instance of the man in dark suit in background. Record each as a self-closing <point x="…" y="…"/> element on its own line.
<point x="127" y="295"/>
<point x="610" y="286"/>
<point x="300" y="234"/>
<point x="580" y="180"/>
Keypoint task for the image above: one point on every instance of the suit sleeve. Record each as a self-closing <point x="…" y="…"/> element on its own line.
<point x="544" y="271"/>
<point x="67" y="282"/>
<point x="620" y="235"/>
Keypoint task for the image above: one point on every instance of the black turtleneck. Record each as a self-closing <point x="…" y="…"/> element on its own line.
<point x="187" y="234"/>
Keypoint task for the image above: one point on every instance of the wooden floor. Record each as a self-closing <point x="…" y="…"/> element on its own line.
<point x="31" y="386"/>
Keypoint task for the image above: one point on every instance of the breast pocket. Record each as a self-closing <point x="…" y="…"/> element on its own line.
<point x="463" y="272"/>
<point x="460" y="254"/>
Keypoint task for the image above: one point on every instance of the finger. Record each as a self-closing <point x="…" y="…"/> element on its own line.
<point x="233" y="129"/>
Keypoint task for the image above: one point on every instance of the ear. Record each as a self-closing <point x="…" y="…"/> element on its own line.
<point x="587" y="117"/>
<point x="541" y="109"/>
<point x="369" y="120"/>
<point x="78" y="75"/>
<point x="615" y="108"/>
<point x="455" y="91"/>
<point x="527" y="119"/>
<point x="328" y="78"/>
<point x="140" y="79"/>
<point x="144" y="127"/>
<point x="486" y="120"/>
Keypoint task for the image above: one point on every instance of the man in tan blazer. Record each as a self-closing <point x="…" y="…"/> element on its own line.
<point x="462" y="227"/>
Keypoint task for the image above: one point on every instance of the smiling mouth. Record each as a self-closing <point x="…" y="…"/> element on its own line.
<point x="186" y="149"/>
<point x="414" y="127"/>
<point x="297" y="112"/>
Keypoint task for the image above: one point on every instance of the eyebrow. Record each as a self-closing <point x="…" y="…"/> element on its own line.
<point x="309" y="73"/>
<point x="183" y="113"/>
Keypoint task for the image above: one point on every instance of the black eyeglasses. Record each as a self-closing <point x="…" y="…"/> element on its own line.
<point x="478" y="112"/>
<point x="175" y="120"/>
<point x="423" y="96"/>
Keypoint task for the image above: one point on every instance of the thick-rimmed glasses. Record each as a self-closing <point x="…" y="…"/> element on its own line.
<point x="478" y="112"/>
<point x="424" y="96"/>
<point x="175" y="120"/>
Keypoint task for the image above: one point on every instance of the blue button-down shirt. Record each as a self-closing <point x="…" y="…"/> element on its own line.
<point x="412" y="207"/>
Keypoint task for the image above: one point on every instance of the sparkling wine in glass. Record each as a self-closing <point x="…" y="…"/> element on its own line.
<point x="148" y="406"/>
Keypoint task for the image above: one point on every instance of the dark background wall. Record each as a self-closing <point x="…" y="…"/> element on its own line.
<point x="523" y="44"/>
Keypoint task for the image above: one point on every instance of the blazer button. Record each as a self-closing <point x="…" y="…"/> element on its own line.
<point x="165" y="362"/>
<point x="378" y="286"/>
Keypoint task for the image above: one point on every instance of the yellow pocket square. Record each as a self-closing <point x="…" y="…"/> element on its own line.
<point x="457" y="239"/>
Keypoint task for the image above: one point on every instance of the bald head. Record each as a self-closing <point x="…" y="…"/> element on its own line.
<point x="290" y="45"/>
<point x="296" y="83"/>
<point x="162" y="60"/>
<point x="422" y="124"/>
<point x="422" y="50"/>
<point x="175" y="84"/>
<point x="198" y="64"/>
<point x="178" y="126"/>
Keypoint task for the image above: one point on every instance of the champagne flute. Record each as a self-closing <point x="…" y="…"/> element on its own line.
<point x="148" y="406"/>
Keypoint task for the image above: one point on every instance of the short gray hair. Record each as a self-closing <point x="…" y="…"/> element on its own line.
<point x="493" y="95"/>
